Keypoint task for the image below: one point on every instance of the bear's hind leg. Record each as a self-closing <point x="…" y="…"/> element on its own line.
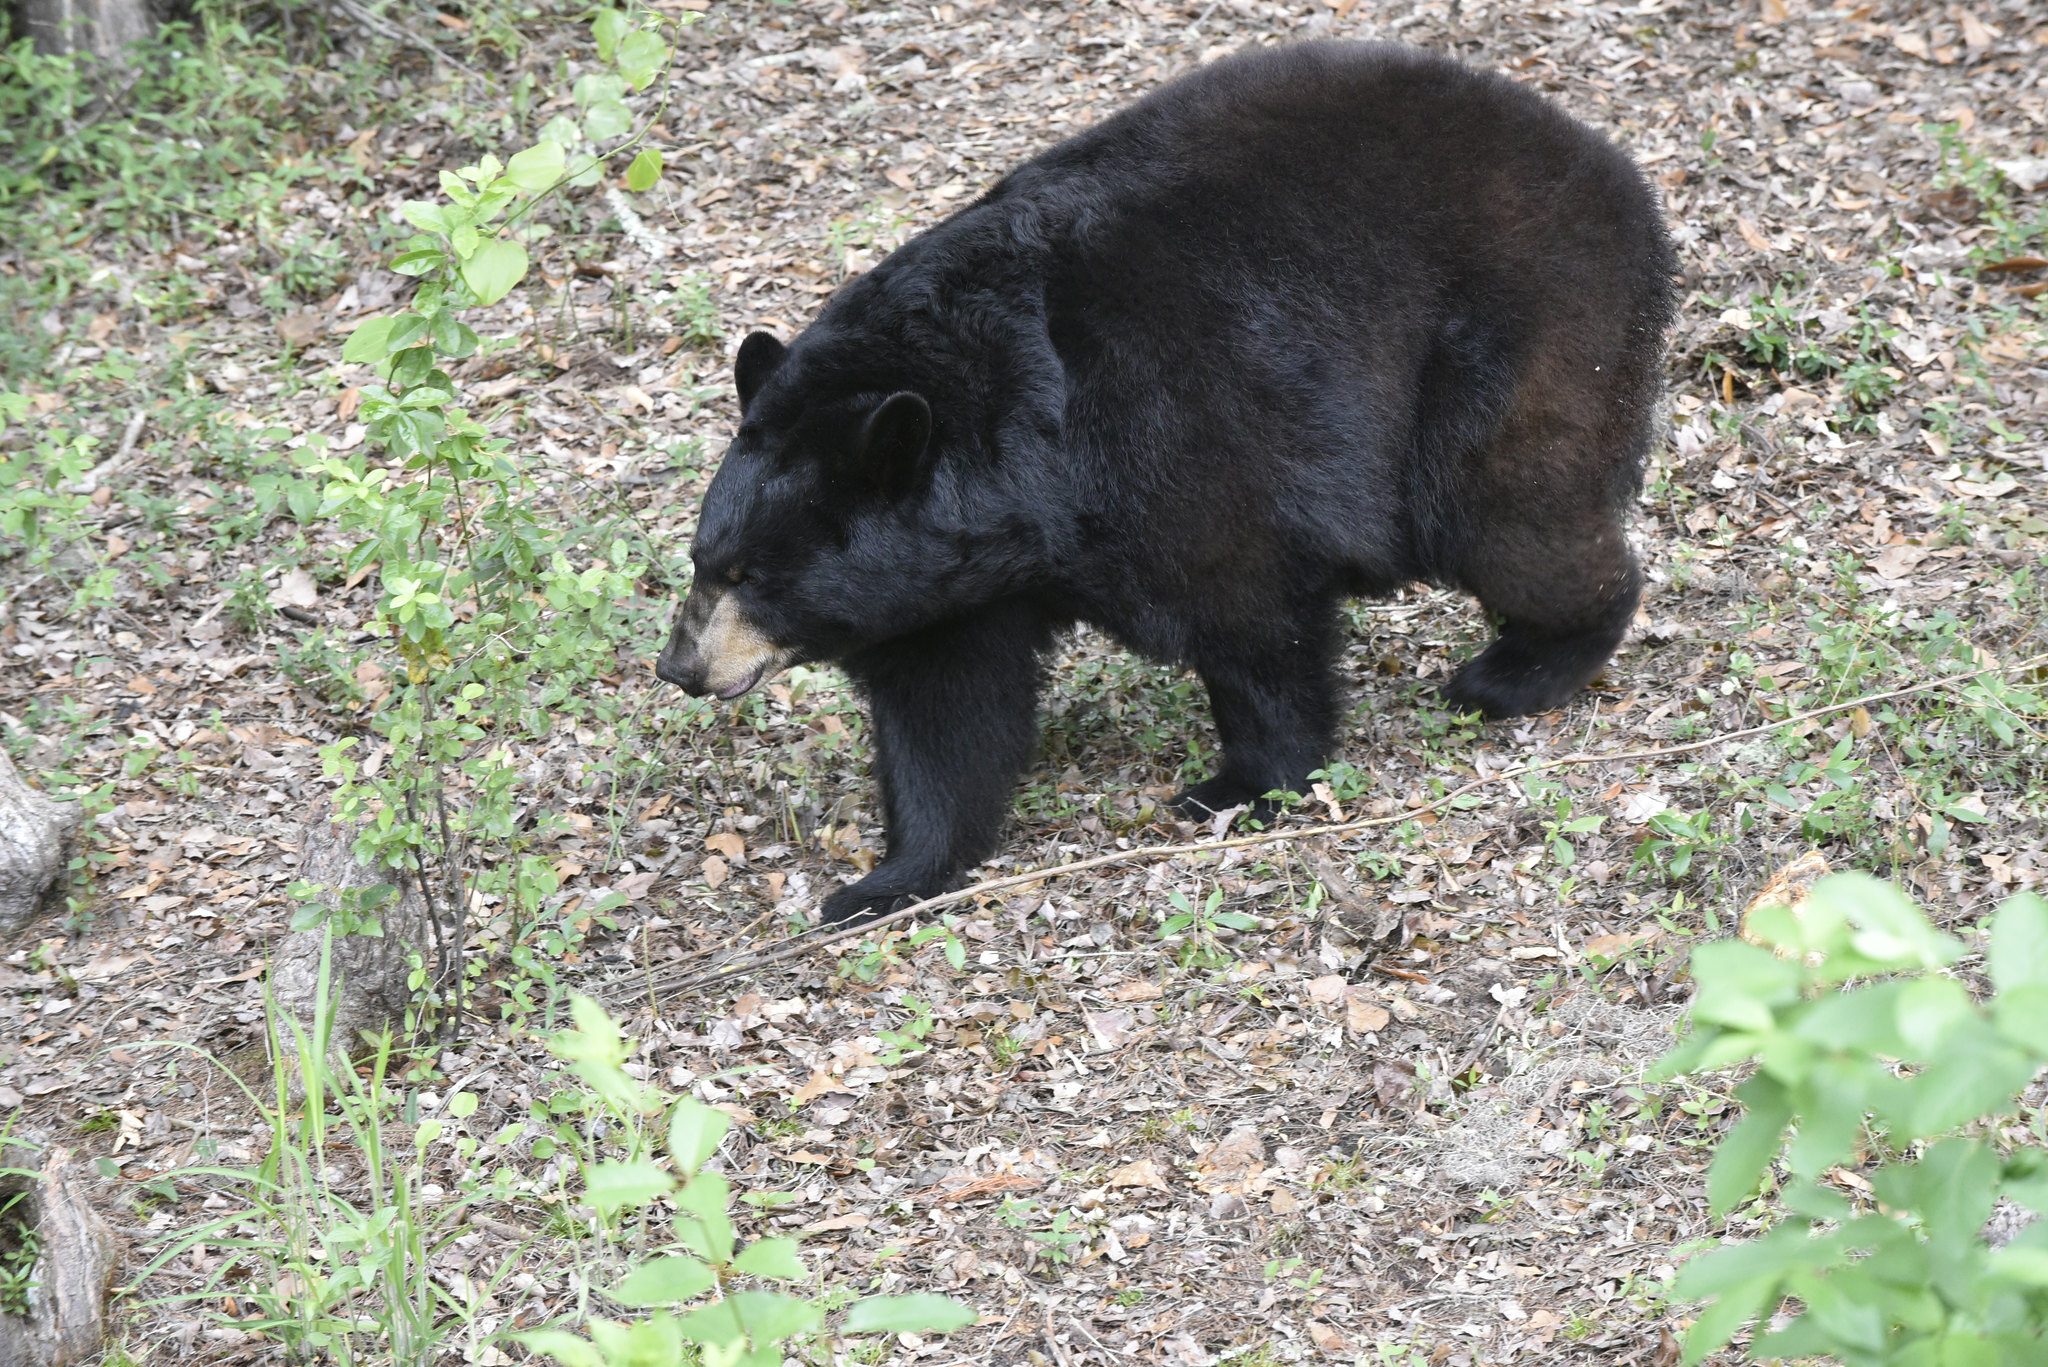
<point x="954" y="710"/>
<point x="1275" y="712"/>
<point x="1565" y="597"/>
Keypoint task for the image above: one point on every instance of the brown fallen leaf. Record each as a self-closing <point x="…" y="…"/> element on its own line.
<point x="295" y="590"/>
<point x="850" y="1220"/>
<point x="715" y="871"/>
<point x="1143" y="1173"/>
<point x="1112" y="1029"/>
<point x="820" y="1083"/>
<point x="1328" y="989"/>
<point x="728" y="843"/>
<point x="1137" y="990"/>
<point x="1362" y="1014"/>
<point x="301" y="329"/>
<point x="1327" y="1339"/>
<point x="1283" y="1202"/>
<point x="1607" y="946"/>
<point x="1755" y="239"/>
<point x="1977" y="35"/>
<point x="1237" y="1151"/>
<point x="1896" y="562"/>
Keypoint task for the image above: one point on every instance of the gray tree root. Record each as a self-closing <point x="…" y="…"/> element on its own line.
<point x="76" y="1257"/>
<point x="35" y="846"/>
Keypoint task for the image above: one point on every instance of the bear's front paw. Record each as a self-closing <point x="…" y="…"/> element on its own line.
<point x="860" y="904"/>
<point x="1212" y="797"/>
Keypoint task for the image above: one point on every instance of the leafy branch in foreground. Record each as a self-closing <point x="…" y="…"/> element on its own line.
<point x="489" y="617"/>
<point x="1908" y="1065"/>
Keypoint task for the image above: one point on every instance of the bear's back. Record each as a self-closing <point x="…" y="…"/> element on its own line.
<point x="1333" y="149"/>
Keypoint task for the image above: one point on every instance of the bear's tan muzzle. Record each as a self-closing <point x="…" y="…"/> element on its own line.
<point x="713" y="649"/>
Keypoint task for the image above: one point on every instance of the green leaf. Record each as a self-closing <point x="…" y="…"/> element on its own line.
<point x="494" y="270"/>
<point x="1748" y="1149"/>
<point x="695" y="1132"/>
<point x="369" y="343"/>
<point x="641" y="57"/>
<point x="425" y="215"/>
<point x="1890" y="929"/>
<point x="563" y="131"/>
<point x="2019" y="943"/>
<point x="1721" y="1321"/>
<point x="774" y="1258"/>
<point x="2022" y="1015"/>
<point x="615" y="1185"/>
<point x="537" y="168"/>
<point x="1740" y="984"/>
<point x="770" y="1316"/>
<point x="1929" y="1010"/>
<point x="609" y="26"/>
<point x="2027" y="1266"/>
<point x="924" y="1313"/>
<point x="598" y="87"/>
<point x="419" y="261"/>
<point x="706" y="1197"/>
<point x="606" y="120"/>
<point x="406" y="331"/>
<point x="645" y="172"/>
<point x="664" y="1281"/>
<point x="453" y="338"/>
<point x="1237" y="920"/>
<point x="563" y="1347"/>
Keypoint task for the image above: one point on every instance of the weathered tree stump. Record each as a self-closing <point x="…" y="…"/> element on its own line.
<point x="35" y="846"/>
<point x="367" y="974"/>
<point x="76" y="1256"/>
<point x="104" y="28"/>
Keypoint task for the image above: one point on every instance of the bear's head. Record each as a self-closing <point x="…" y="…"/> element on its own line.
<point x="813" y="538"/>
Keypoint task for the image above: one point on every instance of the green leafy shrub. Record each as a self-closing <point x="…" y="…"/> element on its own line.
<point x="1903" y="1064"/>
<point x="738" y="1326"/>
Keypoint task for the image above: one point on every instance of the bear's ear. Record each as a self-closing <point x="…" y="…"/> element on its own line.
<point x="759" y="355"/>
<point x="894" y="445"/>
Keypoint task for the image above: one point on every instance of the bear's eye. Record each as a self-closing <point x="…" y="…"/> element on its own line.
<point x="735" y="575"/>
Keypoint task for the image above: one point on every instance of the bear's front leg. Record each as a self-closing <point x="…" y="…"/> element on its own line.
<point x="1275" y="712"/>
<point x="955" y="715"/>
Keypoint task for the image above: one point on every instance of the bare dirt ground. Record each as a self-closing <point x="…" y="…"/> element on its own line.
<point x="1400" y="1120"/>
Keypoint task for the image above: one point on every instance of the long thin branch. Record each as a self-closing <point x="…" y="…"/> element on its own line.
<point x="804" y="944"/>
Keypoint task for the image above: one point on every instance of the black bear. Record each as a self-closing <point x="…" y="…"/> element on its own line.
<point x="1310" y="322"/>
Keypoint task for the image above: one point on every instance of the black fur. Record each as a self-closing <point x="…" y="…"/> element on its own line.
<point x="1312" y="322"/>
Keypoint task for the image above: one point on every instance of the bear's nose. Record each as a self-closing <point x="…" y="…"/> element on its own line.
<point x="681" y="663"/>
<point x="687" y="675"/>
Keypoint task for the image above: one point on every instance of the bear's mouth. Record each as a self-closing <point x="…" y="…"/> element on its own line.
<point x="754" y="677"/>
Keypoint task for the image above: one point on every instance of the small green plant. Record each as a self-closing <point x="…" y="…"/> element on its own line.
<point x="1906" y="1066"/>
<point x="1560" y="825"/>
<point x="20" y="1245"/>
<point x="330" y="1276"/>
<point x="1051" y="1238"/>
<point x="738" y="1326"/>
<point x="696" y="313"/>
<point x="902" y="1042"/>
<point x="1199" y="924"/>
<point x="1674" y="841"/>
<point x="2012" y="232"/>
